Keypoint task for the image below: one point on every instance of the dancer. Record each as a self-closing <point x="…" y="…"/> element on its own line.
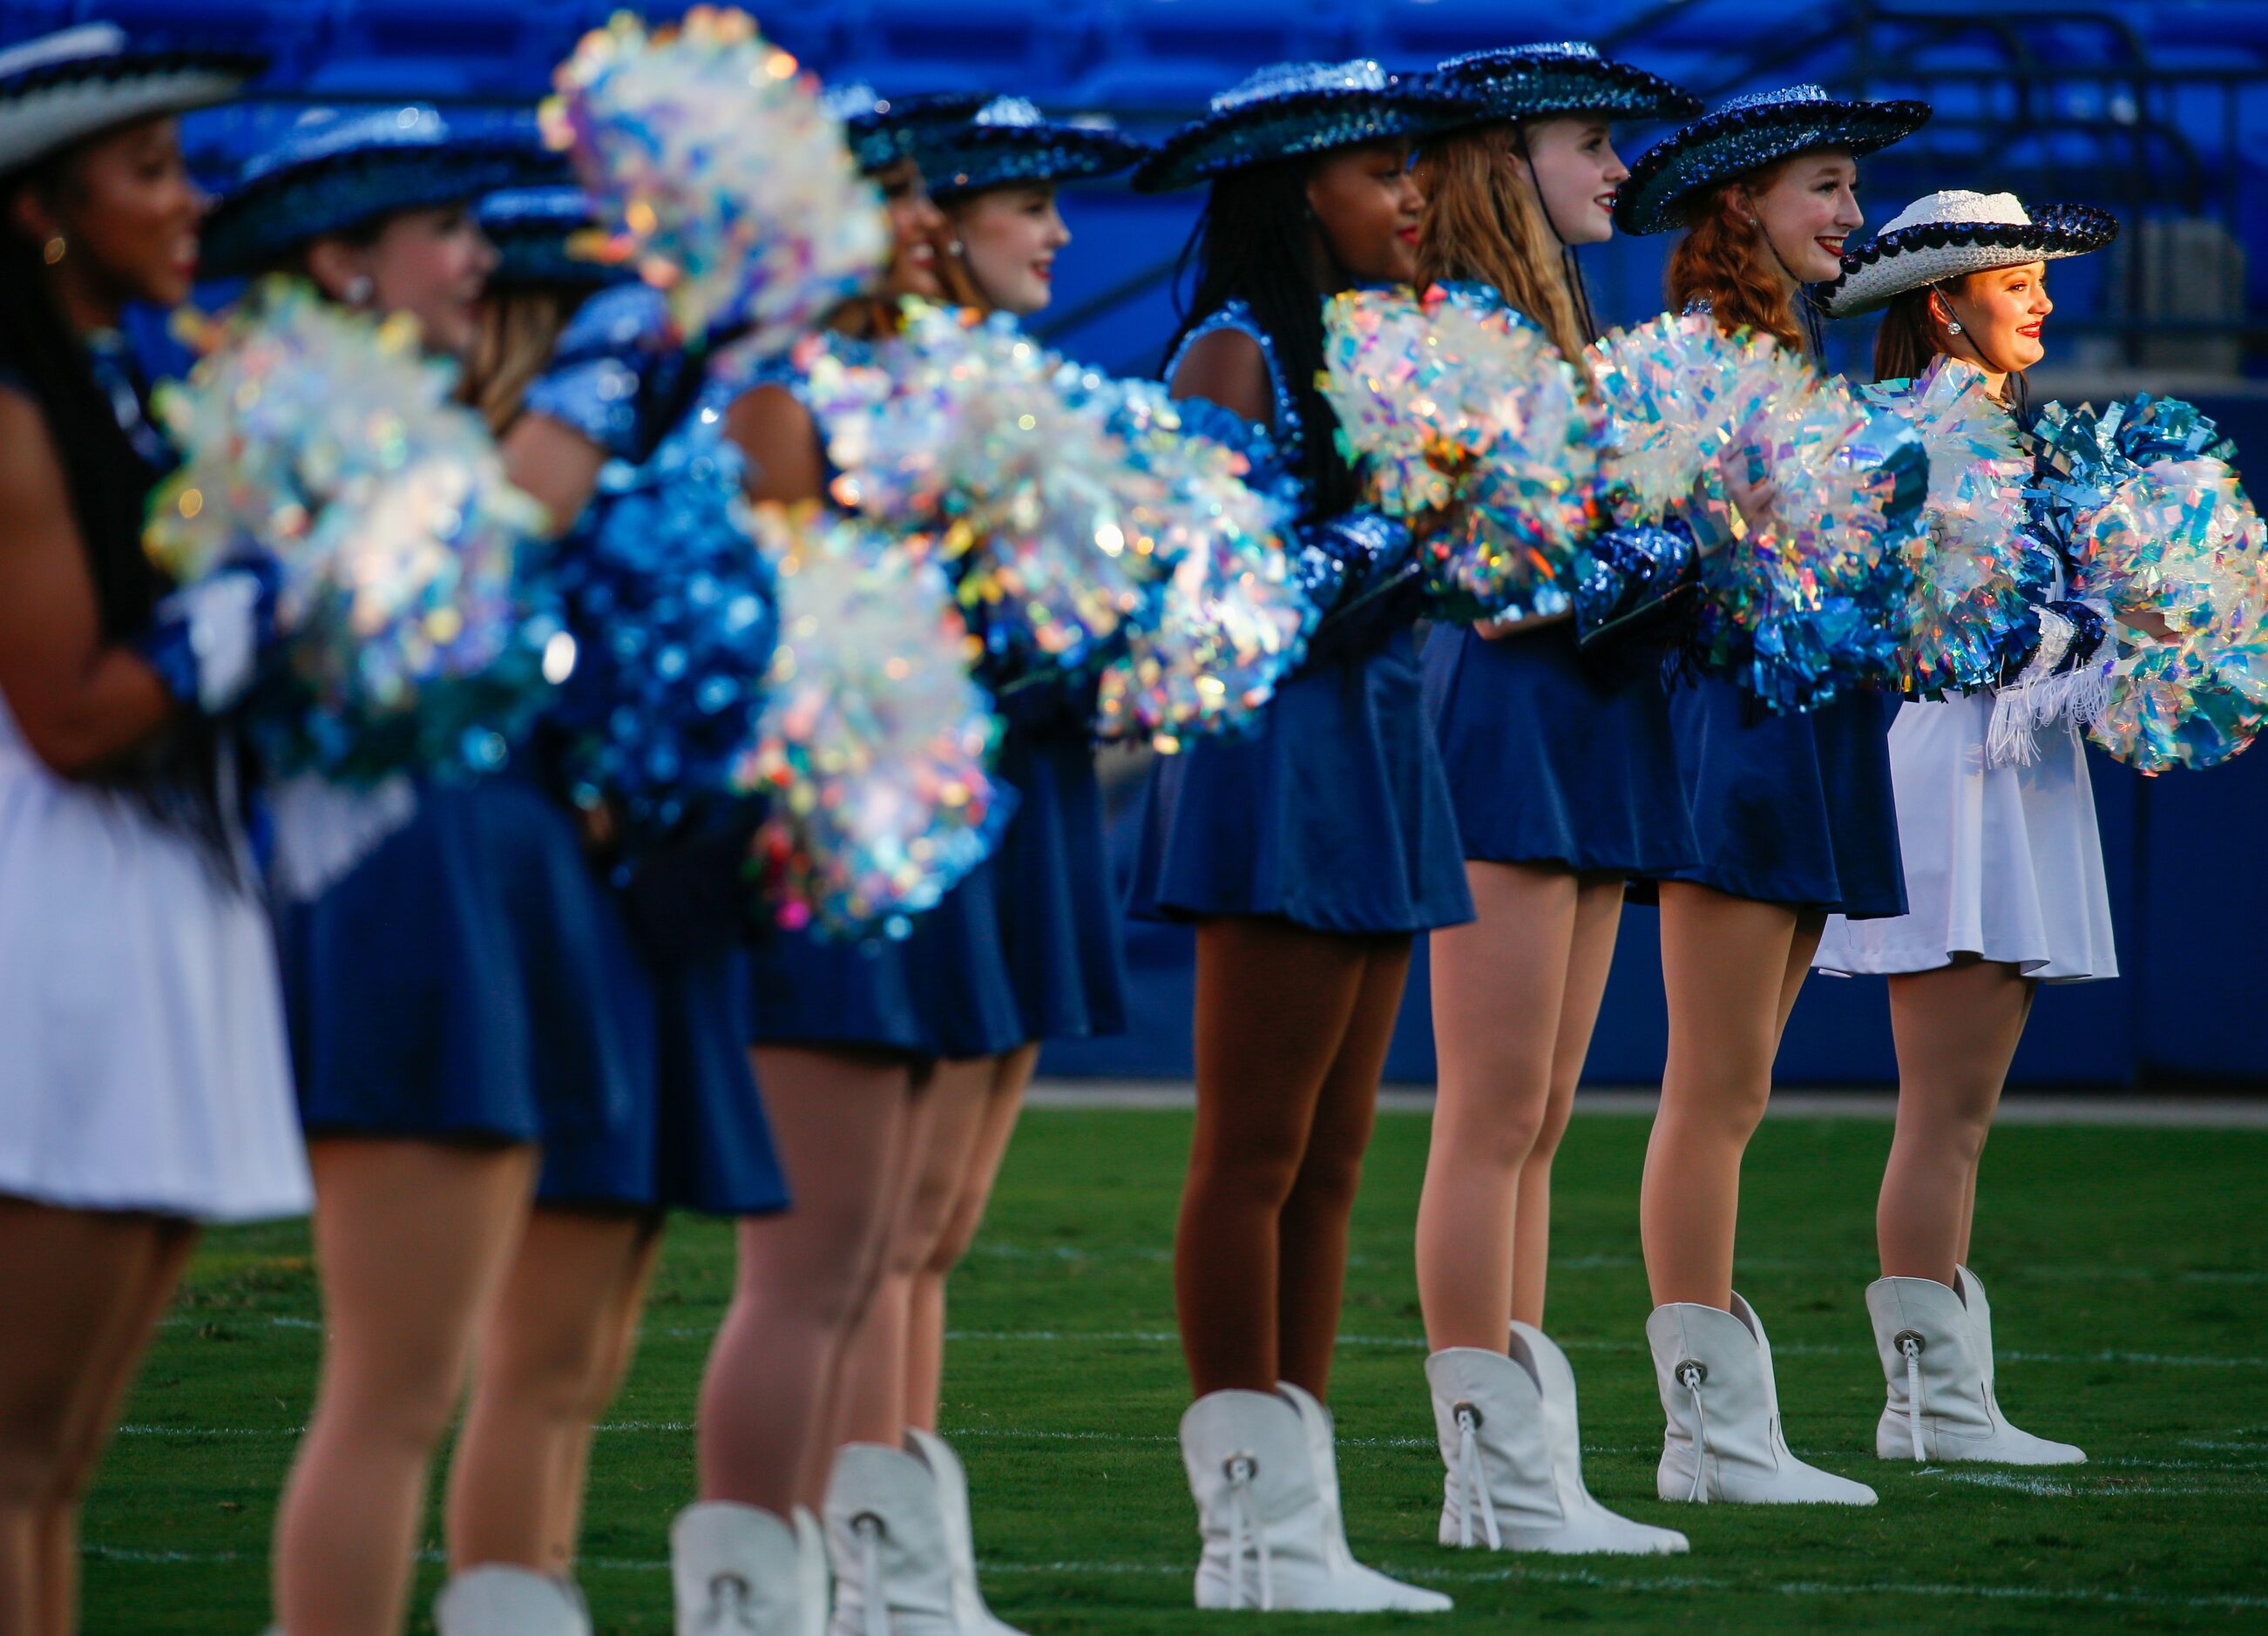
<point x="2003" y="861"/>
<point x="857" y="1045"/>
<point x="996" y="180"/>
<point x="452" y="989"/>
<point x="1793" y="812"/>
<point x="144" y="1086"/>
<point x="572" y="368"/>
<point x="1566" y="785"/>
<point x="1307" y="854"/>
<point x="998" y="177"/>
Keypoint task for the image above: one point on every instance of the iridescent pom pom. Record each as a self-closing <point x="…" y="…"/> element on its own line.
<point x="962" y="427"/>
<point x="1974" y="578"/>
<point x="2195" y="700"/>
<point x="673" y="609"/>
<point x="873" y="738"/>
<point x="1675" y="392"/>
<point x="2156" y="525"/>
<point x="1464" y="414"/>
<point x="1210" y="644"/>
<point x="415" y="640"/>
<point x="2144" y="514"/>
<point x="724" y="180"/>
<point x="1813" y="602"/>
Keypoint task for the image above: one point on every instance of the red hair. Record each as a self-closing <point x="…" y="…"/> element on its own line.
<point x="1724" y="257"/>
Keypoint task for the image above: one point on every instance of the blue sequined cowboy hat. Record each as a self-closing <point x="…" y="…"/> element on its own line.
<point x="1561" y="77"/>
<point x="882" y="130"/>
<point x="1291" y="108"/>
<point x="332" y="171"/>
<point x="1010" y="141"/>
<point x="65" y="87"/>
<point x="1951" y="234"/>
<point x="1748" y="132"/>
<point x="530" y="228"/>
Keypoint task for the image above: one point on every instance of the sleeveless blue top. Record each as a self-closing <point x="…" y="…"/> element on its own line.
<point x="1333" y="812"/>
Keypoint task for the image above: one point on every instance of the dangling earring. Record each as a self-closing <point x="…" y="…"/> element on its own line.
<point x="55" y="249"/>
<point x="360" y="290"/>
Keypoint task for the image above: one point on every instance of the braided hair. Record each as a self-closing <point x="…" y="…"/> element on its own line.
<point x="107" y="478"/>
<point x="176" y="775"/>
<point x="1255" y="242"/>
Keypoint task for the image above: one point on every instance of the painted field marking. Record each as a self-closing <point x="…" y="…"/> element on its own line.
<point x="1471" y="1576"/>
<point x="1161" y="1337"/>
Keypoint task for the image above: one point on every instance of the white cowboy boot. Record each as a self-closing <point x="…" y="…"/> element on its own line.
<point x="1514" y="1455"/>
<point x="1937" y="1359"/>
<point x="886" y="1531"/>
<point x="1370" y="1587"/>
<point x="976" y="1619"/>
<point x="1724" y="1442"/>
<point x="1272" y="1537"/>
<point x="498" y="1599"/>
<point x="738" y="1571"/>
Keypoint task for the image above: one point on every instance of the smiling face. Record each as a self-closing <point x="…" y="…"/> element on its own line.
<point x="432" y="264"/>
<point x="1367" y="204"/>
<point x="1009" y="237"/>
<point x="916" y="225"/>
<point x="2000" y="311"/>
<point x="127" y="214"/>
<point x="1806" y="209"/>
<point x="1576" y="170"/>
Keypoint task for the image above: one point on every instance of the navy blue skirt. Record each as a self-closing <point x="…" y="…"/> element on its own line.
<point x="1791" y="808"/>
<point x="713" y="1145"/>
<point x="1550" y="763"/>
<point x="1060" y="928"/>
<point x="1333" y="813"/>
<point x="701" y="1140"/>
<point x="942" y="991"/>
<point x="467" y="981"/>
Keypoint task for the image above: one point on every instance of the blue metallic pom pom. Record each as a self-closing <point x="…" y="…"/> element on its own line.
<point x="674" y="613"/>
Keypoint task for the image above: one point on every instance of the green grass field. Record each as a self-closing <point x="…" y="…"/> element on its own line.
<point x="2128" y="1268"/>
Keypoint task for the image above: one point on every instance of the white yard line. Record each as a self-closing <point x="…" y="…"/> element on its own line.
<point x="1514" y="1574"/>
<point x="2020" y="1107"/>
<point x="1166" y="1337"/>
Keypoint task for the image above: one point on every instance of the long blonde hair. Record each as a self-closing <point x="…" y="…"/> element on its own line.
<point x="1484" y="221"/>
<point x="519" y="327"/>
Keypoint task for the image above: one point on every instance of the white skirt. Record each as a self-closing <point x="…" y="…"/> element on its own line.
<point x="143" y="1061"/>
<point x="2002" y="862"/>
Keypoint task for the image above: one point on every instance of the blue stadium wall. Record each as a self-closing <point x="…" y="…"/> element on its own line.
<point x="2188" y="876"/>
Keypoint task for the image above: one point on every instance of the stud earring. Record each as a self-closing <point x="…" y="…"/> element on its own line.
<point x="1952" y="326"/>
<point x="360" y="290"/>
<point x="55" y="249"/>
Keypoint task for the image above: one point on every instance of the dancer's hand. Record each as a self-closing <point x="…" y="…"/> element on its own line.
<point x="1754" y="500"/>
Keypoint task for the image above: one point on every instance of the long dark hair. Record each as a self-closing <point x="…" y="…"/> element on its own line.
<point x="108" y="480"/>
<point x="1255" y="242"/>
<point x="176" y="775"/>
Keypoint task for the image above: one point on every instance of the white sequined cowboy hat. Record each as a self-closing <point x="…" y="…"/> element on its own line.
<point x="1957" y="232"/>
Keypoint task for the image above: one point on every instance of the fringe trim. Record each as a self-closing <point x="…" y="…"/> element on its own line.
<point x="324" y="831"/>
<point x="2040" y="696"/>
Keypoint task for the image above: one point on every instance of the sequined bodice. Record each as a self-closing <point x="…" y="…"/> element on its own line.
<point x="1289" y="436"/>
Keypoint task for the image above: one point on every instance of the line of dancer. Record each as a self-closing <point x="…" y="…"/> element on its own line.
<point x="493" y="971"/>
